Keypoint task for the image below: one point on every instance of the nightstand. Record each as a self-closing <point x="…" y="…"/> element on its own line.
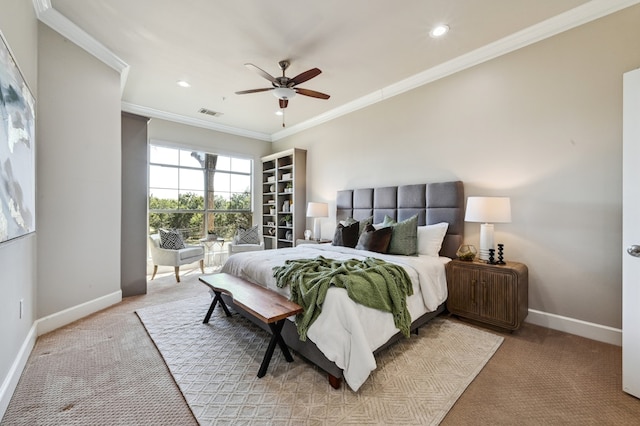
<point x="492" y="294"/>
<point x="303" y="241"/>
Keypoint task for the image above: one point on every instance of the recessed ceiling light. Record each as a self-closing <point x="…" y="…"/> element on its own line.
<point x="183" y="83"/>
<point x="439" y="30"/>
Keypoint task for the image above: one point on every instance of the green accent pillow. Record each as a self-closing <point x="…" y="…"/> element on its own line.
<point x="404" y="239"/>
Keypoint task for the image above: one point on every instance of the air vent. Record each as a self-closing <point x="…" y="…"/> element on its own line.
<point x="209" y="112"/>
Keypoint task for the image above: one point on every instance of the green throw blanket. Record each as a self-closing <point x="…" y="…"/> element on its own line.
<point x="370" y="282"/>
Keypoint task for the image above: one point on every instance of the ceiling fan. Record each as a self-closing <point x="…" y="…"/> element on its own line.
<point x="285" y="88"/>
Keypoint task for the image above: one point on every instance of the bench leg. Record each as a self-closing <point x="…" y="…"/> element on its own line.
<point x="276" y="338"/>
<point x="218" y="297"/>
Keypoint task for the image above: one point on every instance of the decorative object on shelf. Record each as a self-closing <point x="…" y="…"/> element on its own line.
<point x="316" y="211"/>
<point x="271" y="231"/>
<point x="285" y="206"/>
<point x="287" y="220"/>
<point x="271" y="179"/>
<point x="286" y="176"/>
<point x="307" y="234"/>
<point x="272" y="188"/>
<point x="288" y="236"/>
<point x="467" y="252"/>
<point x="485" y="210"/>
<point x="271" y="224"/>
<point x="491" y="260"/>
<point x="288" y="187"/>
<point x="501" y="255"/>
<point x="272" y="211"/>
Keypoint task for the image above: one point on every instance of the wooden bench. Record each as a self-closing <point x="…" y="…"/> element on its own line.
<point x="263" y="304"/>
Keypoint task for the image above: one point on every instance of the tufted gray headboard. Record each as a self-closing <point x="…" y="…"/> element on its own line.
<point x="432" y="202"/>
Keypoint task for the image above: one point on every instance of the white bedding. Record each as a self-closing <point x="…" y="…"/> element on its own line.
<point x="346" y="332"/>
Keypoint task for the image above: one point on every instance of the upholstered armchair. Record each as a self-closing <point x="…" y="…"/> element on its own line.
<point x="175" y="258"/>
<point x="246" y="240"/>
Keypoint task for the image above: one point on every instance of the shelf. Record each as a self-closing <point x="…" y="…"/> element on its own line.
<point x="292" y="163"/>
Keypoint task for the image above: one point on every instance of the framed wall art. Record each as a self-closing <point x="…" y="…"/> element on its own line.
<point x="17" y="150"/>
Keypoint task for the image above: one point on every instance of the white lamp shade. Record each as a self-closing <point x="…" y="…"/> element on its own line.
<point x="317" y="210"/>
<point x="488" y="210"/>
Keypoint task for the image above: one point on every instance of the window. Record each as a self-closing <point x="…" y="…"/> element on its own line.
<point x="198" y="193"/>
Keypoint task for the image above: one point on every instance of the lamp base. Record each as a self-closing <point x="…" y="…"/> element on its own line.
<point x="316" y="229"/>
<point x="486" y="240"/>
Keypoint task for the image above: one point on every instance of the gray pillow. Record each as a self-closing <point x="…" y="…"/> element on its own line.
<point x="362" y="224"/>
<point x="346" y="236"/>
<point x="404" y="239"/>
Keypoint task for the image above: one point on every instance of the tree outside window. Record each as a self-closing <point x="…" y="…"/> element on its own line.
<point x="198" y="193"/>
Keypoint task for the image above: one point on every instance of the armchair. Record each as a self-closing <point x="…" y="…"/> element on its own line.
<point x="246" y="240"/>
<point x="175" y="258"/>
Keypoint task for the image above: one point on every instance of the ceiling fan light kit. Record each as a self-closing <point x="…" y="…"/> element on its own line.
<point x="283" y="93"/>
<point x="285" y="88"/>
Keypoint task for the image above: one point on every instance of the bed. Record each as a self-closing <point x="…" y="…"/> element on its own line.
<point x="345" y="337"/>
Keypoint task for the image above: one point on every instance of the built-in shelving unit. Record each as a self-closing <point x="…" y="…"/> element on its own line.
<point x="284" y="188"/>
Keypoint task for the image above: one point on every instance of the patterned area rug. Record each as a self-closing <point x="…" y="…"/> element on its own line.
<point x="215" y="365"/>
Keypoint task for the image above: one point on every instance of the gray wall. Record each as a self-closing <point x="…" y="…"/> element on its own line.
<point x="133" y="236"/>
<point x="542" y="125"/>
<point x="18" y="257"/>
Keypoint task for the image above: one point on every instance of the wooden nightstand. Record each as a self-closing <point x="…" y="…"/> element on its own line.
<point x="492" y="294"/>
<point x="303" y="241"/>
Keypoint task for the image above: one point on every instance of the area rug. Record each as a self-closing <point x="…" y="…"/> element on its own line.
<point x="215" y="365"/>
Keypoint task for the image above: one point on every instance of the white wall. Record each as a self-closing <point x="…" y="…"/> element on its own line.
<point x="542" y="125"/>
<point x="17" y="257"/>
<point x="78" y="176"/>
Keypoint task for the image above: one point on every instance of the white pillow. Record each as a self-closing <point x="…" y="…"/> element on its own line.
<point x="430" y="238"/>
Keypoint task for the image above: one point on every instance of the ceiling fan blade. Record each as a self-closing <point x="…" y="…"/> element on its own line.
<point x="244" y="92"/>
<point x="307" y="75"/>
<point x="311" y="93"/>
<point x="283" y="103"/>
<point x="261" y="72"/>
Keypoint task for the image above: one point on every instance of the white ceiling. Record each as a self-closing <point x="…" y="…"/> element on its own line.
<point x="363" y="48"/>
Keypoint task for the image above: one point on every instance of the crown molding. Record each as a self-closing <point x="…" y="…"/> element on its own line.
<point x="580" y="15"/>
<point x="61" y="24"/>
<point x="196" y="122"/>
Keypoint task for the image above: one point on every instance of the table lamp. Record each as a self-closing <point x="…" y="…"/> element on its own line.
<point x="487" y="210"/>
<point x="316" y="211"/>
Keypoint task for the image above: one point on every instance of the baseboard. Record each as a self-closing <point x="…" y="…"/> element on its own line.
<point x="601" y="333"/>
<point x="12" y="377"/>
<point x="62" y="318"/>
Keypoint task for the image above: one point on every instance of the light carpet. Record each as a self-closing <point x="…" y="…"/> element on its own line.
<point x="215" y="365"/>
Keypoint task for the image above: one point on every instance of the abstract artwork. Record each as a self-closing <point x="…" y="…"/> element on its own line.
<point x="17" y="150"/>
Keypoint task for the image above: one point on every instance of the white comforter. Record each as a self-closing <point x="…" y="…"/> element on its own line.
<point x="346" y="332"/>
